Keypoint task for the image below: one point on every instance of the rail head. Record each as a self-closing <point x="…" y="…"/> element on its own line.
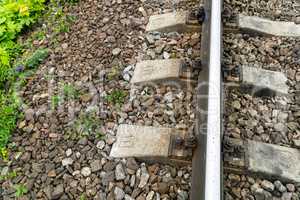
<point x="207" y="167"/>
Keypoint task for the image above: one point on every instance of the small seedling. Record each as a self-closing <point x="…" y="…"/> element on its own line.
<point x="82" y="197"/>
<point x="4" y="154"/>
<point x="70" y="91"/>
<point x="99" y="135"/>
<point x="10" y="175"/>
<point x="116" y="97"/>
<point x="62" y="27"/>
<point x="36" y="58"/>
<point x="85" y="125"/>
<point x="113" y="74"/>
<point x="55" y="100"/>
<point x="71" y="18"/>
<point x="20" y="190"/>
<point x="40" y="35"/>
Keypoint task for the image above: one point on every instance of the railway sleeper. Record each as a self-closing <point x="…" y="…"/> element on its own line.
<point x="153" y="144"/>
<point x="259" y="82"/>
<point x="258" y="25"/>
<point x="173" y="146"/>
<point x="179" y="21"/>
<point x="261" y="159"/>
<point x="168" y="71"/>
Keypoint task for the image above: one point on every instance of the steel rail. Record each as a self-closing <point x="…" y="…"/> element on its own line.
<point x="207" y="162"/>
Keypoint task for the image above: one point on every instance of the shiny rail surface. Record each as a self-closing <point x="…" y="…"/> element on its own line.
<point x="207" y="162"/>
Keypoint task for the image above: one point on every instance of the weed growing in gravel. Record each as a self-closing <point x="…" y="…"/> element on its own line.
<point x="55" y="101"/>
<point x="70" y="91"/>
<point x="87" y="124"/>
<point x="116" y="97"/>
<point x="82" y="197"/>
<point x="21" y="190"/>
<point x="8" y="176"/>
<point x="36" y="58"/>
<point x="113" y="74"/>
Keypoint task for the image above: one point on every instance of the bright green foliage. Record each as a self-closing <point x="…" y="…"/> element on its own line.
<point x="15" y="15"/>
<point x="116" y="97"/>
<point x="8" y="116"/>
<point x="36" y="58"/>
<point x="20" y="190"/>
<point x="4" y="64"/>
<point x="3" y="153"/>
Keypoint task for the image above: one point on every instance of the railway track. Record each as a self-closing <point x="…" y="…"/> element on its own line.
<point x="247" y="125"/>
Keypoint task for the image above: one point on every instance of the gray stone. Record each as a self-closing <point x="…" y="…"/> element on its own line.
<point x="280" y="127"/>
<point x="236" y="105"/>
<point x="150" y="39"/>
<point x="268" y="27"/>
<point x="67" y="161"/>
<point x="287" y="196"/>
<point x="274" y="160"/>
<point x="86" y="171"/>
<point x="120" y="173"/>
<point x="157" y="70"/>
<point x="290" y="187"/>
<point x="264" y="81"/>
<point x="119" y="193"/>
<point x="57" y="192"/>
<point x="258" y="192"/>
<point x="150" y="195"/>
<point x="171" y="22"/>
<point x="100" y="144"/>
<point x="182" y="195"/>
<point x="96" y="165"/>
<point x="144" y="177"/>
<point x="116" y="51"/>
<point x="69" y="152"/>
<point x="267" y="185"/>
<point x="279" y="186"/>
<point x="127" y="197"/>
<point x="4" y="171"/>
<point x="29" y="114"/>
<point x="296" y="143"/>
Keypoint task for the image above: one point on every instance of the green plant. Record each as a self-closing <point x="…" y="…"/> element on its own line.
<point x="62" y="27"/>
<point x="71" y="18"/>
<point x="55" y="101"/>
<point x="10" y="175"/>
<point x="14" y="17"/>
<point x="116" y="97"/>
<point x="113" y="74"/>
<point x="20" y="190"/>
<point x="3" y="153"/>
<point x="39" y="35"/>
<point x="8" y="116"/>
<point x="36" y="58"/>
<point x="82" y="197"/>
<point x="86" y="124"/>
<point x="70" y="91"/>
